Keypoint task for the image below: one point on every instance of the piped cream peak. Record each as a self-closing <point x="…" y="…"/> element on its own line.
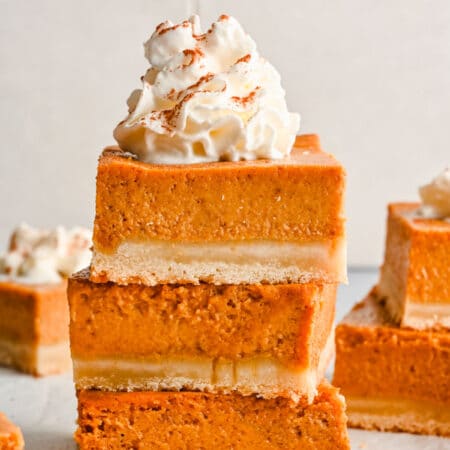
<point x="436" y="197"/>
<point x="46" y="256"/>
<point x="207" y="97"/>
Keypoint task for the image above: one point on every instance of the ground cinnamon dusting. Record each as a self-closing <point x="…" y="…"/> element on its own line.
<point x="247" y="99"/>
<point x="201" y="80"/>
<point x="194" y="53"/>
<point x="245" y="58"/>
<point x="184" y="24"/>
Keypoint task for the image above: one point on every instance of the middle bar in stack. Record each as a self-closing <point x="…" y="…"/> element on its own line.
<point x="266" y="339"/>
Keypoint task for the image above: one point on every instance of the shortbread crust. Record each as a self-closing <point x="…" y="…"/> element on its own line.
<point x="45" y="359"/>
<point x="397" y="414"/>
<point x="152" y="263"/>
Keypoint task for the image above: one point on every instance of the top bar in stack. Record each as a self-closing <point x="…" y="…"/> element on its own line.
<point x="269" y="221"/>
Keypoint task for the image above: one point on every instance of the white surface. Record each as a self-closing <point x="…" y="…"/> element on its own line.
<point x="371" y="77"/>
<point x="46" y="408"/>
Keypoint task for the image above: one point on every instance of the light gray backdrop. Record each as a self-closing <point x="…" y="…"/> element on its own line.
<point x="371" y="77"/>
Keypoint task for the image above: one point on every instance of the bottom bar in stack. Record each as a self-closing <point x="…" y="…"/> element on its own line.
<point x="393" y="378"/>
<point x="172" y="420"/>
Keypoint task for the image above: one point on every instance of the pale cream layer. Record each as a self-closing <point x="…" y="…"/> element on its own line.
<point x="398" y="414"/>
<point x="426" y="315"/>
<point x="410" y="313"/>
<point x="36" y="359"/>
<point x="261" y="375"/>
<point x="237" y="262"/>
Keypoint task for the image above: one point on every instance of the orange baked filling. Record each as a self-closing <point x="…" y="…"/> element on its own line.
<point x="10" y="435"/>
<point x="393" y="362"/>
<point x="417" y="255"/>
<point x="35" y="314"/>
<point x="297" y="199"/>
<point x="34" y="327"/>
<point x="287" y="323"/>
<point x="199" y="420"/>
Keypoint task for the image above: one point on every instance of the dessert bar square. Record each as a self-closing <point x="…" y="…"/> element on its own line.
<point x="34" y="327"/>
<point x="415" y="276"/>
<point x="393" y="379"/>
<point x="271" y="221"/>
<point x="268" y="339"/>
<point x="199" y="420"/>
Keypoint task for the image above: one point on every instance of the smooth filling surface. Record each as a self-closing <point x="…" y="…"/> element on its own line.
<point x="229" y="262"/>
<point x="262" y="375"/>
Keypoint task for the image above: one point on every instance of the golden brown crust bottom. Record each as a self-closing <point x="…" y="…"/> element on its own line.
<point x="185" y="420"/>
<point x="392" y="362"/>
<point x="10" y="435"/>
<point x="231" y="262"/>
<point x="37" y="360"/>
<point x="226" y="201"/>
<point x="394" y="414"/>
<point x="288" y="323"/>
<point x="262" y="376"/>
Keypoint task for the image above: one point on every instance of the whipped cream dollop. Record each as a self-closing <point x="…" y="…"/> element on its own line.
<point x="46" y="256"/>
<point x="436" y="197"/>
<point x="207" y="97"/>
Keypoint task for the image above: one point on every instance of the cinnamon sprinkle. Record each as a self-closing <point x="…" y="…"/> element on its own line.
<point x="247" y="99"/>
<point x="201" y="80"/>
<point x="194" y="53"/>
<point x="246" y="58"/>
<point x="171" y="94"/>
<point x="183" y="24"/>
<point x="162" y="24"/>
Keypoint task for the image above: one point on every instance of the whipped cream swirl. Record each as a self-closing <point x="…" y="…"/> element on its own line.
<point x="207" y="97"/>
<point x="46" y="256"/>
<point x="436" y="197"/>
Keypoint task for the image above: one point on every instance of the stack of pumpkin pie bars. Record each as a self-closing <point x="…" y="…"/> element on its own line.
<point x="180" y="338"/>
<point x="206" y="317"/>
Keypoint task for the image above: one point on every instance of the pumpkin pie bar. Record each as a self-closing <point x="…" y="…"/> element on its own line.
<point x="415" y="276"/>
<point x="10" y="435"/>
<point x="116" y="420"/>
<point x="34" y="332"/>
<point x="228" y="222"/>
<point x="34" y="313"/>
<point x="268" y="339"/>
<point x="393" y="378"/>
